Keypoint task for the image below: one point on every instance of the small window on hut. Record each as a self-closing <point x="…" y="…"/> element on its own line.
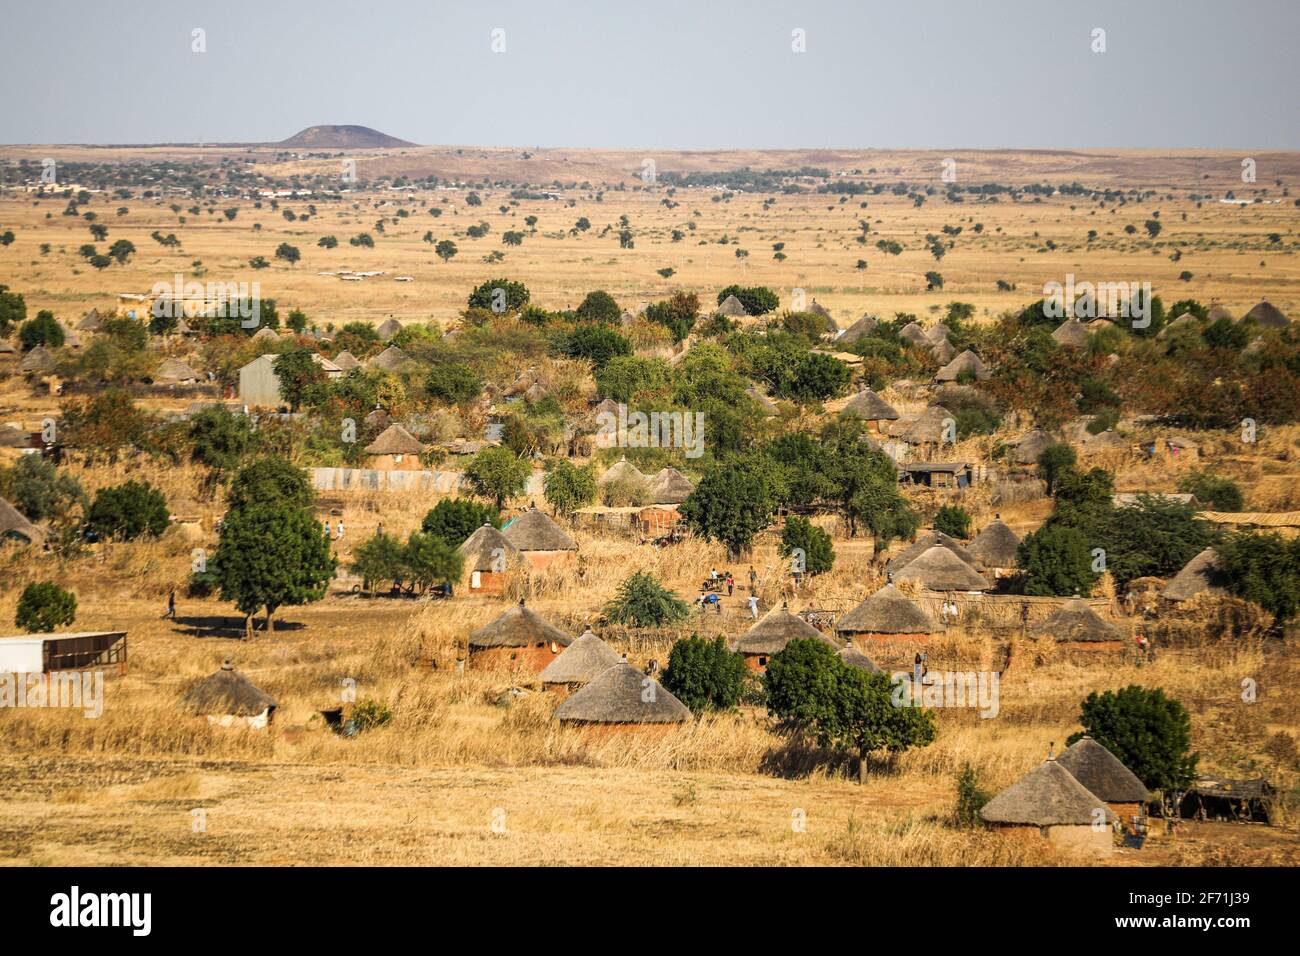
<point x="476" y="580"/>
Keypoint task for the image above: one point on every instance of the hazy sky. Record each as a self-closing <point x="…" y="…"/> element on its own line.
<point x="693" y="74"/>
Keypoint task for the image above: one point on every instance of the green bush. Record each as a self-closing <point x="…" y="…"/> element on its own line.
<point x="455" y="519"/>
<point x="970" y="799"/>
<point x="704" y="675"/>
<point x="953" y="520"/>
<point x="128" y="511"/>
<point x="45" y="606"/>
<point x="1148" y="732"/>
<point x="368" y="714"/>
<point x="643" y="602"/>
<point x="800" y="533"/>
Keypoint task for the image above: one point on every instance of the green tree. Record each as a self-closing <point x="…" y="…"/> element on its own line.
<point x="40" y="491"/>
<point x="810" y="689"/>
<point x="499" y="296"/>
<point x="599" y="306"/>
<point x="271" y="479"/>
<point x="128" y="511"/>
<point x="705" y="675"/>
<point x="220" y="439"/>
<point x="1057" y="561"/>
<point x="953" y="520"/>
<point x="446" y="250"/>
<point x="1217" y="491"/>
<point x="568" y="487"/>
<point x="733" y="502"/>
<point x="430" y="560"/>
<point x="379" y="558"/>
<point x="1263" y="568"/>
<point x="757" y="300"/>
<point x="641" y="601"/>
<point x="1147" y="731"/>
<point x="970" y="799"/>
<point x="45" y="606"/>
<point x="814" y="544"/>
<point x="1052" y="461"/>
<point x="596" y="343"/>
<point x="42" y="330"/>
<point x="297" y="372"/>
<point x="455" y="519"/>
<point x="498" y="475"/>
<point x="453" y="382"/>
<point x="13" y="310"/>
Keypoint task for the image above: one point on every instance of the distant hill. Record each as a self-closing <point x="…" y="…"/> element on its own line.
<point x="341" y="137"/>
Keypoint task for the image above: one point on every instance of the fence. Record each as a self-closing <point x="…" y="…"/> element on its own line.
<point x="369" y="479"/>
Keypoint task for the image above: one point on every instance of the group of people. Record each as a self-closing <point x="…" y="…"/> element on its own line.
<point x="710" y="592"/>
<point x="948" y="612"/>
<point x="336" y="537"/>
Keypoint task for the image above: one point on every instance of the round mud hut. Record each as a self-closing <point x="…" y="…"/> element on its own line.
<point x="229" y="699"/>
<point x="580" y="663"/>
<point x="1102" y="774"/>
<point x="519" y="639"/>
<point x="1076" y="626"/>
<point x="889" y="614"/>
<point x="1049" y="803"/>
<point x="777" y="628"/>
<point x="996" y="548"/>
<point x="620" y="699"/>
<point x="489" y="558"/>
<point x="541" y="541"/>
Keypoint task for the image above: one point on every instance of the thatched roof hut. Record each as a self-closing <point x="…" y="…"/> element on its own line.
<point x="732" y="306"/>
<point x="519" y="626"/>
<point x="938" y="569"/>
<point x="228" y="693"/>
<point x="1047" y="796"/>
<point x="888" y="611"/>
<point x="965" y="363"/>
<point x="174" y="372"/>
<point x="669" y="487"/>
<point x="855" y="658"/>
<point x="996" y="546"/>
<point x="377" y="418"/>
<point x="265" y="335"/>
<point x="623" y="695"/>
<point x="535" y="531"/>
<point x="773" y="632"/>
<point x="1267" y="315"/>
<point x="1101" y="773"/>
<point x="1201" y="575"/>
<point x="923" y="544"/>
<point x="913" y="333"/>
<point x="581" y="662"/>
<point x="937" y="333"/>
<point x="870" y="407"/>
<point x="39" y="359"/>
<point x="15" y="526"/>
<point x="388" y="329"/>
<point x="395" y="440"/>
<point x="623" y="470"/>
<point x="930" y="427"/>
<point x="390" y="359"/>
<point x="92" y="321"/>
<point x="1071" y="333"/>
<point x="864" y="328"/>
<point x="11" y="437"/>
<point x="1030" y="445"/>
<point x="346" y="361"/>
<point x="487" y="549"/>
<point x="943" y="351"/>
<point x="1074" y="622"/>
<point x="1220" y="311"/>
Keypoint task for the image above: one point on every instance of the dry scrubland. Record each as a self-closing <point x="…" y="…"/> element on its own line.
<point x="721" y="790"/>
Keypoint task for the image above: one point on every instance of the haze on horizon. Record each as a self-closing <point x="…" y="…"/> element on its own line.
<point x="667" y="75"/>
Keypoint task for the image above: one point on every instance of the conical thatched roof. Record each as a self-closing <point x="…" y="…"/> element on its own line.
<point x="871" y="407"/>
<point x="519" y="626"/>
<point x="265" y="334"/>
<point x="390" y="359"/>
<point x="1219" y="312"/>
<point x="346" y="361"/>
<point x="1030" y="445"/>
<point x="487" y="549"/>
<point x="1101" y="772"/>
<point x="923" y="544"/>
<point x="1075" y="622"/>
<point x="855" y="658"/>
<point x="379" y="418"/>
<point x="766" y="404"/>
<point x="774" y="630"/>
<point x="1072" y="333"/>
<point x="623" y="695"/>
<point x="536" y="393"/>
<point x="865" y="327"/>
<point x="669" y="487"/>
<point x="174" y="370"/>
<point x="937" y="333"/>
<point x="535" y="531"/>
<point x="388" y="329"/>
<point x="943" y="351"/>
<point x="940" y="570"/>
<point x="581" y="662"/>
<point x="622" y="470"/>
<point x="11" y="437"/>
<point x="607" y="407"/>
<point x="888" y="611"/>
<point x="732" y="306"/>
<point x="929" y="426"/>
<point x="1267" y="315"/>
<point x="395" y="440"/>
<point x="913" y="333"/>
<point x="227" y="692"/>
<point x="967" y="361"/>
<point x="92" y="321"/>
<point x="39" y="359"/>
<point x="1201" y="575"/>
<point x="996" y="546"/>
<point x="14" y="524"/>
<point x="1046" y="796"/>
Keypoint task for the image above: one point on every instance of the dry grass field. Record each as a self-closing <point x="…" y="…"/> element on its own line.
<point x="458" y="776"/>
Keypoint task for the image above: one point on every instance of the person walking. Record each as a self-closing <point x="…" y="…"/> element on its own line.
<point x="171" y="605"/>
<point x="731" y="584"/>
<point x="753" y="606"/>
<point x="753" y="579"/>
<point x="339" y="534"/>
<point x="327" y="529"/>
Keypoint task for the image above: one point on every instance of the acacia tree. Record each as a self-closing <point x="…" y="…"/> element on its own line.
<point x="810" y="689"/>
<point x="272" y="552"/>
